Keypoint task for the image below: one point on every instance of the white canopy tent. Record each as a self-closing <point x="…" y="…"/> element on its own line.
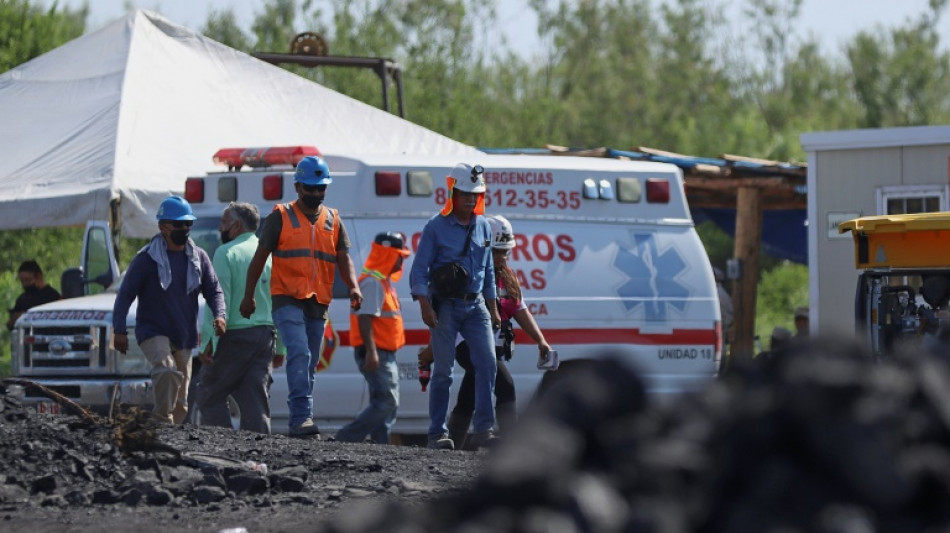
<point x="131" y="110"/>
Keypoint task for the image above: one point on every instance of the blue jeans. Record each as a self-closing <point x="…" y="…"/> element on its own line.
<point x="471" y="319"/>
<point x="303" y="337"/>
<point x="378" y="417"/>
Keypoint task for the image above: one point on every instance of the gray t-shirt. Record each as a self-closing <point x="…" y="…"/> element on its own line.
<point x="373" y="293"/>
<point x="270" y="237"/>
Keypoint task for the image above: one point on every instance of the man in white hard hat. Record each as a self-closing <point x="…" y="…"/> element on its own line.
<point x="453" y="280"/>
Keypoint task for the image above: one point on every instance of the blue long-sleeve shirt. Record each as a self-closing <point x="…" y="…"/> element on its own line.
<point x="441" y="243"/>
<point x="172" y="313"/>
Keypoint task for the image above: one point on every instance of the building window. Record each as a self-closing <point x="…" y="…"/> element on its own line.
<point x="912" y="199"/>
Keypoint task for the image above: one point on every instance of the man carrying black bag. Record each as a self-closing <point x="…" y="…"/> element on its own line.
<point x="453" y="279"/>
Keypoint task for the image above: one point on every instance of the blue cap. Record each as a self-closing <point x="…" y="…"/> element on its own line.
<point x="313" y="170"/>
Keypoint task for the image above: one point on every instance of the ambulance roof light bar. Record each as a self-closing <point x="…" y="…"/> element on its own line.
<point x="259" y="157"/>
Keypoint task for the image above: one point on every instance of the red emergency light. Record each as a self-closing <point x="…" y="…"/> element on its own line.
<point x="388" y="183"/>
<point x="195" y="190"/>
<point x="269" y="156"/>
<point x="272" y="187"/>
<point x="658" y="191"/>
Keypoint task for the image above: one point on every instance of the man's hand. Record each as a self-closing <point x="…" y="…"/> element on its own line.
<point x="205" y="356"/>
<point x="220" y="326"/>
<point x="13" y="318"/>
<point x="356" y="298"/>
<point x="121" y="342"/>
<point x="248" y="306"/>
<point x="371" y="363"/>
<point x="428" y="313"/>
<point x="277" y="361"/>
<point x="425" y="355"/>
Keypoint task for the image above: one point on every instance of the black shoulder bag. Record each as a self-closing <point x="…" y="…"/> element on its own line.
<point x="451" y="280"/>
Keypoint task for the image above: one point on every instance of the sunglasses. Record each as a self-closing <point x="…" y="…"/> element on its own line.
<point x="313" y="188"/>
<point x="179" y="223"/>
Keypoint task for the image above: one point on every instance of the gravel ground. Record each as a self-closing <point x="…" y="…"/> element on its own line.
<point x="67" y="473"/>
<point x="821" y="438"/>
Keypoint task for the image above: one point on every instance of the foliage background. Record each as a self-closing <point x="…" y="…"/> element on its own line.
<point x="618" y="73"/>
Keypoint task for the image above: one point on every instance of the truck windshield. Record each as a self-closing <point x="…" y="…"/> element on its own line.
<point x="206" y="235"/>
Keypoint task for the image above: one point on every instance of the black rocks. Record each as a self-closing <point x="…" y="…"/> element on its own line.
<point x="821" y="439"/>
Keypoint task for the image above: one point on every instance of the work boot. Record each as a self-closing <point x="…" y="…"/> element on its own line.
<point x="482" y="439"/>
<point x="440" y="442"/>
<point x="306" y="429"/>
<point x="458" y="428"/>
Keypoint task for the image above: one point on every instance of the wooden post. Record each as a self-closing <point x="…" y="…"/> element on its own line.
<point x="748" y="236"/>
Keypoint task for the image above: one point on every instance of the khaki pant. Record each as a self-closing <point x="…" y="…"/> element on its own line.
<point x="171" y="371"/>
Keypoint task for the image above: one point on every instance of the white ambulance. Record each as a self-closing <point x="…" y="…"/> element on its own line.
<point x="605" y="249"/>
<point x="606" y="253"/>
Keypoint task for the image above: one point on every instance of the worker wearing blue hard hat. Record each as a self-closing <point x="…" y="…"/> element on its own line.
<point x="313" y="170"/>
<point x="174" y="208"/>
<point x="166" y="277"/>
<point x="308" y="243"/>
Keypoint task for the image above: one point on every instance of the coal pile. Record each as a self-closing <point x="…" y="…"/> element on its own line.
<point x="818" y="439"/>
<point x="132" y="473"/>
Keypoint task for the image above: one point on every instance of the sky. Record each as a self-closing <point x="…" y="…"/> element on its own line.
<point x="833" y="22"/>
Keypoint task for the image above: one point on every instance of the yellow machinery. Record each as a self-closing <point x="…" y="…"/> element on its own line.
<point x="904" y="286"/>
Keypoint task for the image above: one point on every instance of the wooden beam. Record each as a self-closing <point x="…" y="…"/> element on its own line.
<point x="706" y="169"/>
<point x="755" y="160"/>
<point x="765" y="162"/>
<point x="748" y="237"/>
<point x="734" y="183"/>
<point x="590" y="152"/>
<point x="730" y="203"/>
<point x="664" y="153"/>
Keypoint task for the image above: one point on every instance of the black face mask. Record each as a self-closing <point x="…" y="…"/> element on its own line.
<point x="31" y="289"/>
<point x="180" y="236"/>
<point x="226" y="237"/>
<point x="312" y="202"/>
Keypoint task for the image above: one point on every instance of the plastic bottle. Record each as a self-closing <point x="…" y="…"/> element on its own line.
<point x="256" y="467"/>
<point x="425" y="372"/>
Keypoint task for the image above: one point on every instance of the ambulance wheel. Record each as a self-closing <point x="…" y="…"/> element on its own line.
<point x="564" y="371"/>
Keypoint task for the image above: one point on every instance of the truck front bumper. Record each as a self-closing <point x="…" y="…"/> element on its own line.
<point x="94" y="394"/>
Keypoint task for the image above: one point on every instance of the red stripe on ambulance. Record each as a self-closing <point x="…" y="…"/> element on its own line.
<point x="679" y="337"/>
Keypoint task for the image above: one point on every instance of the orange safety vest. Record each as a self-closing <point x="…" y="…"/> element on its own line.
<point x="387" y="328"/>
<point x="305" y="259"/>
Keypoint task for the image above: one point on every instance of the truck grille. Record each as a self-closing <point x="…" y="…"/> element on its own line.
<point x="77" y="349"/>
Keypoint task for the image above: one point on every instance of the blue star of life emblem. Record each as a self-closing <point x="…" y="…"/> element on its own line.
<point x="651" y="278"/>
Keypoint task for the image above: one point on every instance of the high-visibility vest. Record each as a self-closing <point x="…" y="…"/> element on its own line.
<point x="388" y="333"/>
<point x="305" y="259"/>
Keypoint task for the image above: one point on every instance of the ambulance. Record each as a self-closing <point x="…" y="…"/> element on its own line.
<point x="606" y="252"/>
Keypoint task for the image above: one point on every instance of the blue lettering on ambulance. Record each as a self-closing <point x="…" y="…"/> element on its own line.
<point x="652" y="277"/>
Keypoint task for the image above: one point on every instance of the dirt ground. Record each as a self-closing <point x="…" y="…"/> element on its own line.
<point x="68" y="474"/>
<point x="820" y="438"/>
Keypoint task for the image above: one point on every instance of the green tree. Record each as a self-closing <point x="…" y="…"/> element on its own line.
<point x="902" y="77"/>
<point x="222" y="26"/>
<point x="27" y="29"/>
